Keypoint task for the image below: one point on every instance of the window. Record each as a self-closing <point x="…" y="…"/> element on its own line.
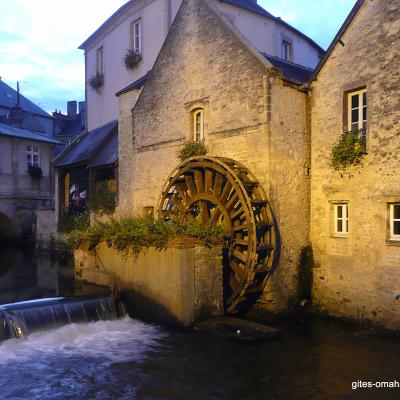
<point x="100" y="61"/>
<point x="357" y="111"/>
<point x="32" y="155"/>
<point x="341" y="219"/>
<point x="136" y="36"/>
<point x="286" y="50"/>
<point x="395" y="221"/>
<point x="198" y="124"/>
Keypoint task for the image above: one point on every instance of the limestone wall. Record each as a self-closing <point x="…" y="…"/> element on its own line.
<point x="247" y="108"/>
<point x="180" y="285"/>
<point x="357" y="276"/>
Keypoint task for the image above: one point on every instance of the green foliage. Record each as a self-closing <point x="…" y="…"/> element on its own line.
<point x="102" y="202"/>
<point x="131" y="235"/>
<point x="96" y="81"/>
<point x="35" y="171"/>
<point x="132" y="59"/>
<point x="191" y="149"/>
<point x="348" y="151"/>
<point x="68" y="223"/>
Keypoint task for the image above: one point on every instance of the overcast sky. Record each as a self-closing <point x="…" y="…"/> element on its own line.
<point x="39" y="39"/>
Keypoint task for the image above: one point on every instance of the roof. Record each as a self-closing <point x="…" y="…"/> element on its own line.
<point x="11" y="131"/>
<point x="249" y="5"/>
<point x="108" y="155"/>
<point x="290" y="70"/>
<point x="87" y="146"/>
<point x="337" y="38"/>
<point x="135" y="85"/>
<point x="8" y="99"/>
<point x="252" y="6"/>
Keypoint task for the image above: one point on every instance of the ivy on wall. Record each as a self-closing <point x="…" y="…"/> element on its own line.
<point x="349" y="151"/>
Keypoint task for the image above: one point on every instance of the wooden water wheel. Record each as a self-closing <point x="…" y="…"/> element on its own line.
<point x="215" y="190"/>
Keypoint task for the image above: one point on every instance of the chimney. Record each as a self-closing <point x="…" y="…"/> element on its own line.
<point x="71" y="108"/>
<point x="82" y="112"/>
<point x="16" y="113"/>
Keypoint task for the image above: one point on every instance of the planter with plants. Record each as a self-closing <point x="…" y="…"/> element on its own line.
<point x="349" y="151"/>
<point x="191" y="149"/>
<point x="96" y="81"/>
<point x="35" y="171"/>
<point x="132" y="59"/>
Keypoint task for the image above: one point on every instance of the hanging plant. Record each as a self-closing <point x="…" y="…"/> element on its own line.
<point x="191" y="149"/>
<point x="132" y="59"/>
<point x="35" y="171"/>
<point x="96" y="81"/>
<point x="349" y="151"/>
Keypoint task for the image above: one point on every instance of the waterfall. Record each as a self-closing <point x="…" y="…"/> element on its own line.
<point x="18" y="320"/>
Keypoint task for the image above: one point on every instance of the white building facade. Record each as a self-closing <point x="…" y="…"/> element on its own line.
<point x="141" y="26"/>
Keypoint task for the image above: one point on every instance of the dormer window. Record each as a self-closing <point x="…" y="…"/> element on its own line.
<point x="287" y="50"/>
<point x="198" y="124"/>
<point x="136" y="36"/>
<point x="100" y="61"/>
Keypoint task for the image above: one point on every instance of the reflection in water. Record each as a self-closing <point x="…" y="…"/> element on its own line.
<point x="26" y="274"/>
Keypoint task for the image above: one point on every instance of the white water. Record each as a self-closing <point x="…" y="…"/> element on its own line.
<point x="106" y="341"/>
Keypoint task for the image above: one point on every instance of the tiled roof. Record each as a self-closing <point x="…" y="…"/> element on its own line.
<point x="252" y="6"/>
<point x="108" y="155"/>
<point x="87" y="146"/>
<point x="11" y="131"/>
<point x="290" y="70"/>
<point x="8" y="99"/>
<point x="135" y="85"/>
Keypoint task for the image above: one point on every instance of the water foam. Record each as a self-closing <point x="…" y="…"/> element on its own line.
<point x="106" y="341"/>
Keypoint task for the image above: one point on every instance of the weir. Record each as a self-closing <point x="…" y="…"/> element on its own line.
<point x="18" y="320"/>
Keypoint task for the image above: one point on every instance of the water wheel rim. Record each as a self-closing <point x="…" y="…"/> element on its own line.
<point x="222" y="166"/>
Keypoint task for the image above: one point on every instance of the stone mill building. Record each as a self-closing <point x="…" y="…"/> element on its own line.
<point x="269" y="105"/>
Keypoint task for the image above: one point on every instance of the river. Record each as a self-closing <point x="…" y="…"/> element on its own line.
<point x="314" y="358"/>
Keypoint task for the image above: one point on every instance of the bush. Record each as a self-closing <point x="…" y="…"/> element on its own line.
<point x="35" y="171"/>
<point x="102" y="202"/>
<point x="132" y="59"/>
<point x="96" y="81"/>
<point x="347" y="152"/>
<point x="191" y="149"/>
<point x="72" y="222"/>
<point x="130" y="236"/>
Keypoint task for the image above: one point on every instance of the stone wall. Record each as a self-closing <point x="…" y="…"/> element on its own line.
<point x="357" y="276"/>
<point x="246" y="117"/>
<point x="179" y="286"/>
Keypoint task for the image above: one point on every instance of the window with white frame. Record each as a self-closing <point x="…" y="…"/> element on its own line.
<point x="287" y="50"/>
<point x="136" y="36"/>
<point x="357" y="110"/>
<point x="395" y="221"/>
<point x="32" y="155"/>
<point x="198" y="124"/>
<point x="341" y="219"/>
<point x="100" y="61"/>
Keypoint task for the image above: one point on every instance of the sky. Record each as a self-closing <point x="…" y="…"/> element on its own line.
<point x="39" y="40"/>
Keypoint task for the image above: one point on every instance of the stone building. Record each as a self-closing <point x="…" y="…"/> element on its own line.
<point x="243" y="96"/>
<point x="355" y="222"/>
<point x="22" y="195"/>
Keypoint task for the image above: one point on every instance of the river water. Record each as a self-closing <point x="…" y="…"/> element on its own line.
<point x="127" y="359"/>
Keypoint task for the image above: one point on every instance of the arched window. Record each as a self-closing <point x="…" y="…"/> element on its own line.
<point x="198" y="124"/>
